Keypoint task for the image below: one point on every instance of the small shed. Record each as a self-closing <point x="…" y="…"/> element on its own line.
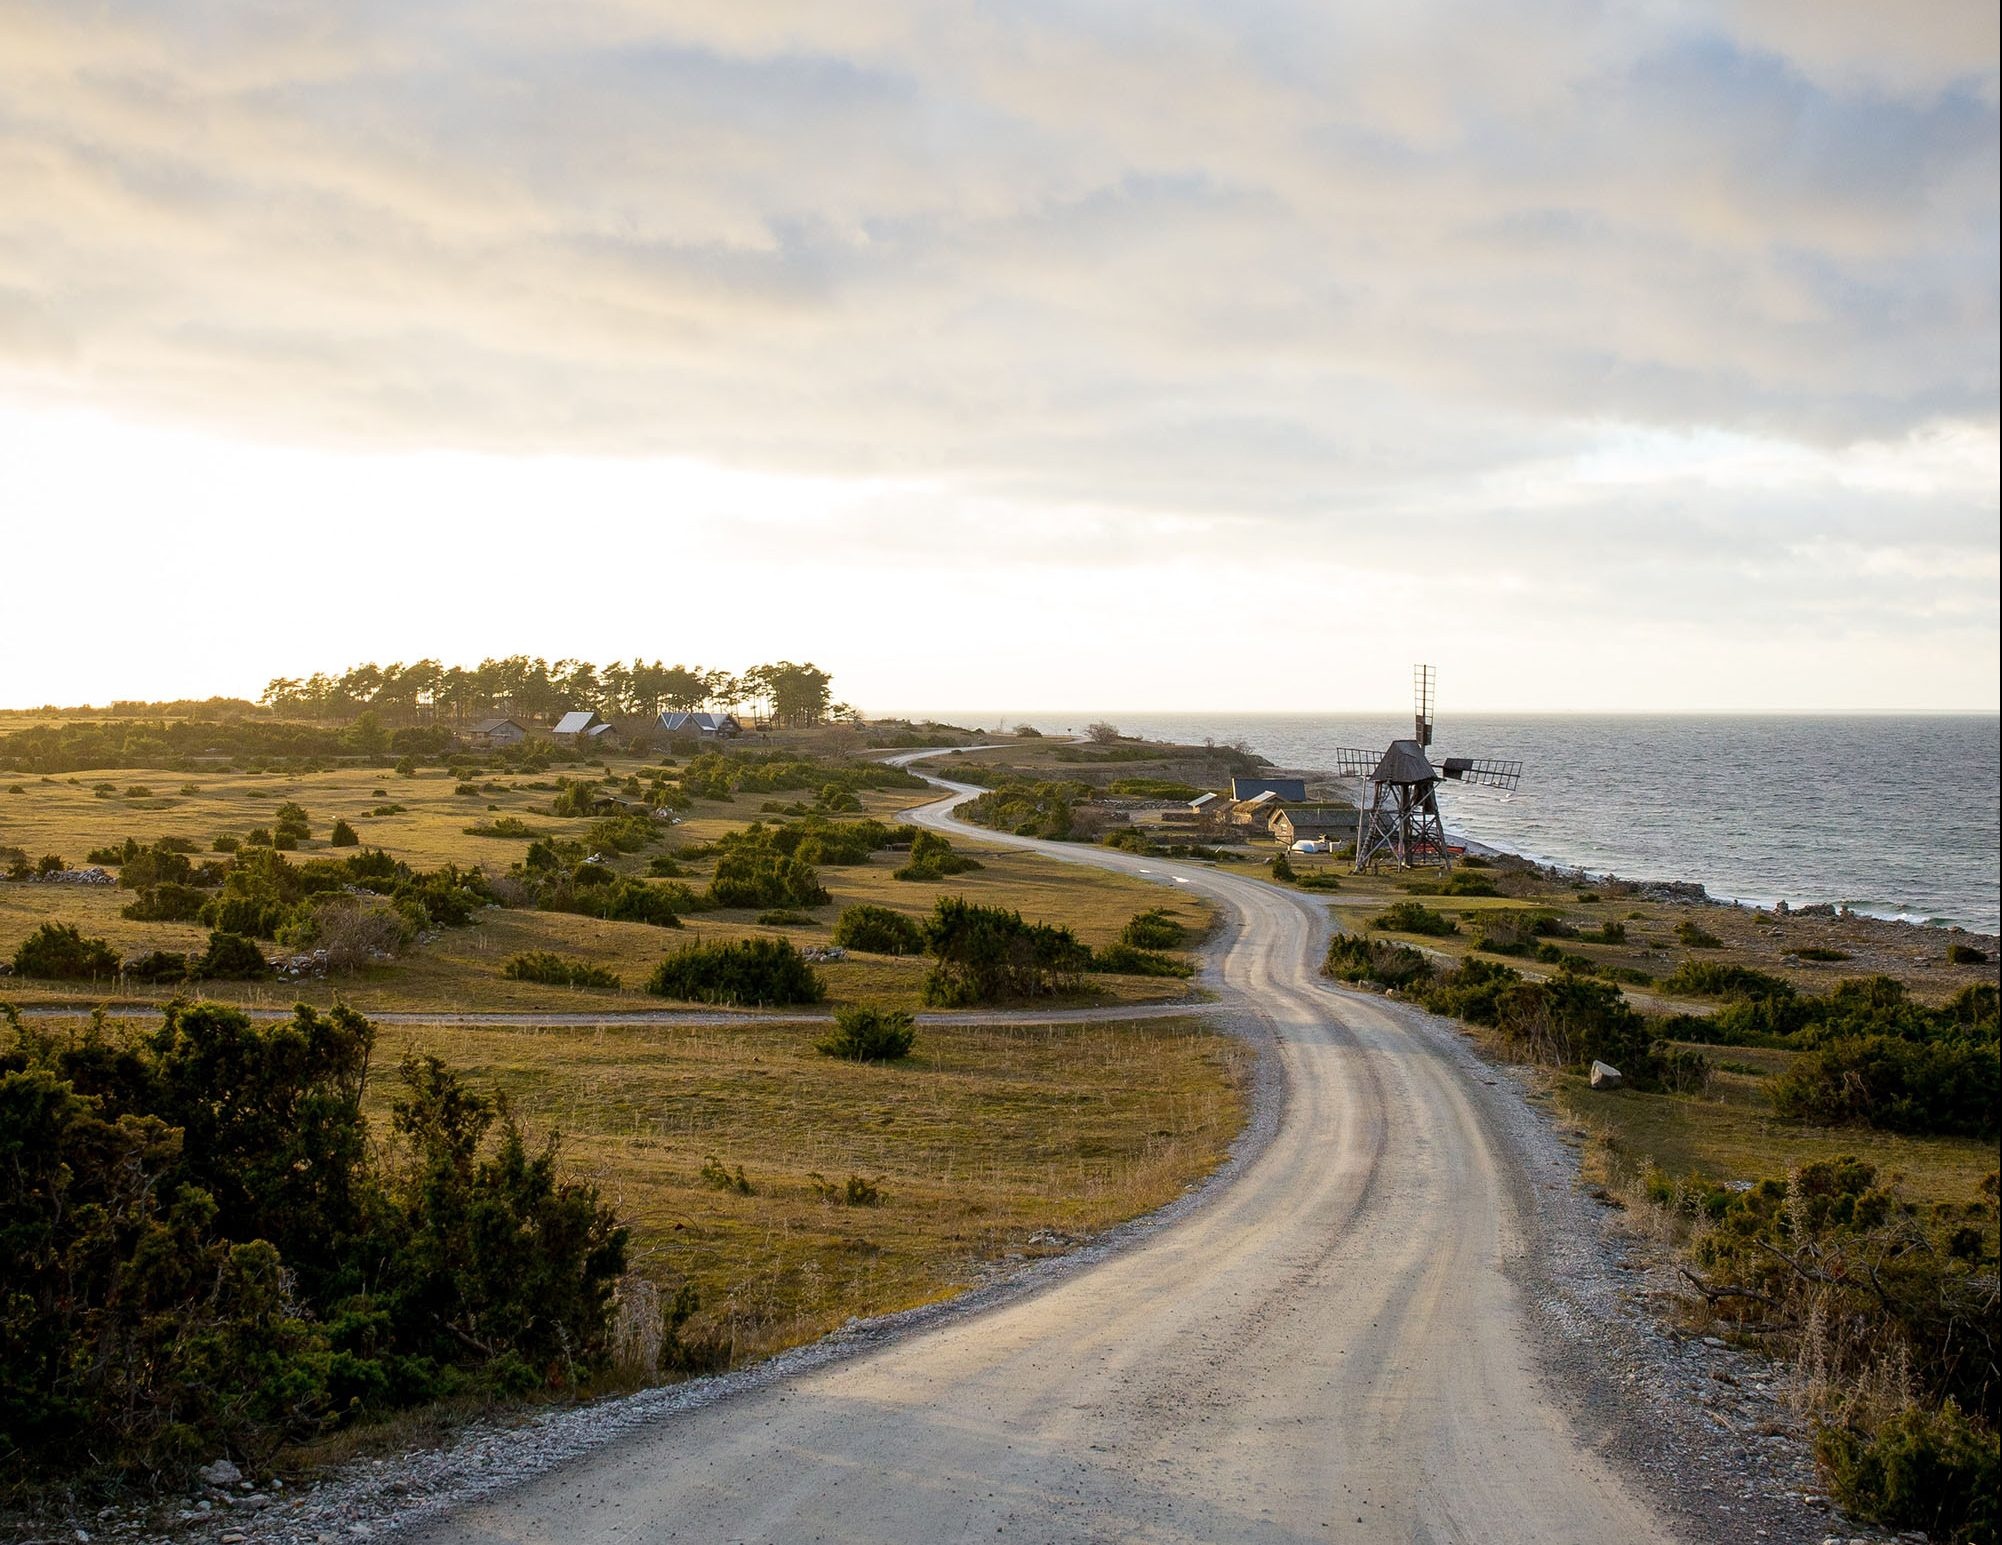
<point x="1199" y="811"/>
<point x="497" y="732"/>
<point x="578" y="726"/>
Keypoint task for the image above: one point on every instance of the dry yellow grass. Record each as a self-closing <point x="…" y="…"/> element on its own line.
<point x="985" y="1136"/>
<point x="460" y="970"/>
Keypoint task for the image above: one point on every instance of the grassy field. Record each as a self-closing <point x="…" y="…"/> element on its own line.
<point x="460" y="969"/>
<point x="1731" y="1134"/>
<point x="984" y="1137"/>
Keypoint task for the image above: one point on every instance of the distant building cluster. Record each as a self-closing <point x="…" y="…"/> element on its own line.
<point x="583" y="729"/>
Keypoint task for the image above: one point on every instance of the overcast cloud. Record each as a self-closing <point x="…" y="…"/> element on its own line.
<point x="1671" y="322"/>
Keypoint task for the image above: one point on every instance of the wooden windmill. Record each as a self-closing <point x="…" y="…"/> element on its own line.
<point x="1397" y="805"/>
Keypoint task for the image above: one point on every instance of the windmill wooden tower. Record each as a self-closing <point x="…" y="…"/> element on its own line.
<point x="1397" y="804"/>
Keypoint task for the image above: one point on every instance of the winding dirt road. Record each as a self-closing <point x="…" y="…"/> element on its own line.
<point x="1332" y="1350"/>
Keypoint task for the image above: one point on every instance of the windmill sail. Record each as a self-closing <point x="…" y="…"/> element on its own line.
<point x="1351" y="763"/>
<point x="1487" y="771"/>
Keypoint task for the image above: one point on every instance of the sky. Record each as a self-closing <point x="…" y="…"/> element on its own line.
<point x="1164" y="356"/>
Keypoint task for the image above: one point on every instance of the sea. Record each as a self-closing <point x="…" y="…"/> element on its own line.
<point x="1893" y="816"/>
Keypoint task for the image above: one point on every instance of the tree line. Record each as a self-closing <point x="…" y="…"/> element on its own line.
<point x="782" y="693"/>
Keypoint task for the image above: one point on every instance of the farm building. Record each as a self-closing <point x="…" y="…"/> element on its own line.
<point x="497" y="732"/>
<point x="708" y="726"/>
<point x="1292" y="790"/>
<point x="1257" y="810"/>
<point x="584" y="728"/>
<point x="1296" y="823"/>
<point x="1198" y="811"/>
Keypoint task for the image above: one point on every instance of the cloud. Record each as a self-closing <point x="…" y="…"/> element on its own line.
<point x="1130" y="280"/>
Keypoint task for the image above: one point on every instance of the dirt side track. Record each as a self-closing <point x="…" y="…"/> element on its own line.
<point x="1333" y="1349"/>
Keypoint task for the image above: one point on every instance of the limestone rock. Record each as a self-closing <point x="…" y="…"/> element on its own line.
<point x="1606" y="1076"/>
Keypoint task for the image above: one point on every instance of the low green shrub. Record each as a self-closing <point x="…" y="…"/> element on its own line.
<point x="1568" y="1021"/>
<point x="159" y="966"/>
<point x="1697" y="937"/>
<point x="1152" y="788"/>
<point x="985" y="954"/>
<point x="756" y="972"/>
<point x="230" y="957"/>
<point x="1414" y="917"/>
<point x="1121" y="959"/>
<point x="865" y="1034"/>
<point x="1028" y="809"/>
<point x="1821" y="952"/>
<point x="1154" y="929"/>
<point x="1944" y="1087"/>
<point x="627" y="900"/>
<point x="1355" y="958"/>
<point x="59" y="952"/>
<point x="1507" y="933"/>
<point x="934" y="858"/>
<point x="554" y="970"/>
<point x="1318" y="880"/>
<point x="784" y="917"/>
<point x="504" y="826"/>
<point x="343" y="836"/>
<point x="1710" y="979"/>
<point x="621" y="834"/>
<point x="759" y="878"/>
<point x="878" y="930"/>
<point x="1893" y="1304"/>
<point x="1472" y="991"/>
<point x="1965" y="955"/>
<point x="166" y="903"/>
<point x="1934" y="1470"/>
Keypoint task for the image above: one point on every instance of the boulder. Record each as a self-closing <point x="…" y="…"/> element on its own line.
<point x="1606" y="1076"/>
<point x="221" y="1473"/>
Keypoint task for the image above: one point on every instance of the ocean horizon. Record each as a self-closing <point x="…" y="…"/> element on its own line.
<point x="1893" y="815"/>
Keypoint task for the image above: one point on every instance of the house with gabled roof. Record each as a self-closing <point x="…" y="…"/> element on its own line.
<point x="581" y="727"/>
<point x="497" y="732"/>
<point x="706" y="726"/>
<point x="1298" y="823"/>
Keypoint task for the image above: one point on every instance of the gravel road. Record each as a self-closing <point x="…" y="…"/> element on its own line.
<point x="1335" y="1348"/>
<point x="1392" y="1317"/>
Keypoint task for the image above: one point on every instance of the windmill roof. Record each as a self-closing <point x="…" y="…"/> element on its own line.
<point x="1404" y="762"/>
